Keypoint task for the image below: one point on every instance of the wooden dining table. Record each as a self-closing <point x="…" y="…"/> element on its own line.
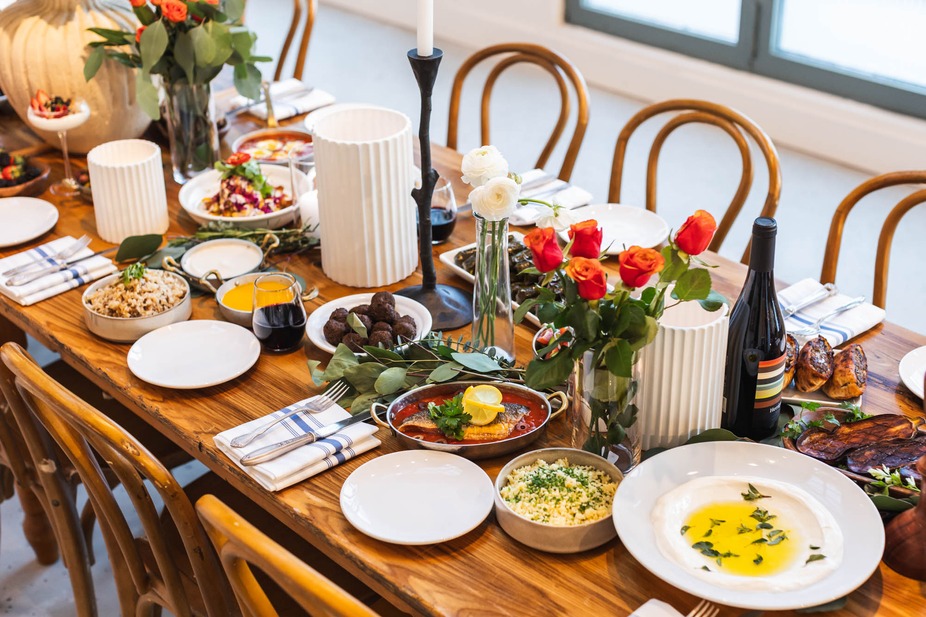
<point x="481" y="573"/>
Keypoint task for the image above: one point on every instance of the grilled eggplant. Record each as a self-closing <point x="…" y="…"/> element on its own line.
<point x="831" y="445"/>
<point x="894" y="453"/>
<point x="814" y="365"/>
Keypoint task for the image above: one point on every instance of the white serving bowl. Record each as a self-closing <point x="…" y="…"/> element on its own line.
<point x="207" y="184"/>
<point x="130" y="329"/>
<point x="273" y="134"/>
<point x="555" y="538"/>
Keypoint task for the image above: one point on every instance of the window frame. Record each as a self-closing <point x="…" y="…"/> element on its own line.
<point x="754" y="53"/>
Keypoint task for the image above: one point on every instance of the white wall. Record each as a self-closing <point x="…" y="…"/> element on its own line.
<point x="820" y="124"/>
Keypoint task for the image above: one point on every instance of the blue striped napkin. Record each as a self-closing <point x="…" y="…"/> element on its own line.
<point x="303" y="462"/>
<point x="840" y="328"/>
<point x="59" y="282"/>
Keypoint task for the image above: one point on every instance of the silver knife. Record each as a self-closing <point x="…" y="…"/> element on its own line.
<point x="268" y="453"/>
<point x="829" y="290"/>
<point x="28" y="277"/>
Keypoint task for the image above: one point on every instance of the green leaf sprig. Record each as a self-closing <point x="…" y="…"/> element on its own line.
<point x="250" y="171"/>
<point x="450" y="417"/>
<point x="134" y="272"/>
<point x="885" y="478"/>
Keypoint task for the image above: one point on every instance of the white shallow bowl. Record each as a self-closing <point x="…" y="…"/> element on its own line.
<point x="555" y="538"/>
<point x="130" y="329"/>
<point x="623" y="226"/>
<point x="230" y="257"/>
<point x="207" y="184"/>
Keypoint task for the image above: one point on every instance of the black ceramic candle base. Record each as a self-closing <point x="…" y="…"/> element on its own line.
<point x="450" y="307"/>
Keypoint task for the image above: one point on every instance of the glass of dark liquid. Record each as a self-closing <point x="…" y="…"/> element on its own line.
<point x="443" y="211"/>
<point x="279" y="317"/>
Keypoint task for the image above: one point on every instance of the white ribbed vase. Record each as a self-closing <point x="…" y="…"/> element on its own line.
<point x="363" y="158"/>
<point x="43" y="46"/>
<point x="129" y="197"/>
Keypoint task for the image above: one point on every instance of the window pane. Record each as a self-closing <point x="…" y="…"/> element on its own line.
<point x="879" y="40"/>
<point x="713" y="19"/>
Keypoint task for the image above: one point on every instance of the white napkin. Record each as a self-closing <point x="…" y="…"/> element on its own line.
<point x="838" y="329"/>
<point x="303" y="462"/>
<point x="286" y="103"/>
<point x="565" y="195"/>
<point x="58" y="282"/>
<point x="655" y="608"/>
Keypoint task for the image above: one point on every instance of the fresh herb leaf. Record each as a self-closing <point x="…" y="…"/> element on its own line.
<point x="706" y="549"/>
<point x="759" y="541"/>
<point x="854" y="413"/>
<point x="705" y="568"/>
<point x="135" y="271"/>
<point x="753" y="494"/>
<point x="685" y="529"/>
<point x="810" y="406"/>
<point x="815" y="557"/>
<point x="743" y="529"/>
<point x="716" y="521"/>
<point x="814" y="548"/>
<point x="793" y="429"/>
<point x="772" y="541"/>
<point x="707" y="533"/>
<point x="829" y="417"/>
<point x="886" y="477"/>
<point x="757" y="560"/>
<point x="450" y="417"/>
<point x="764" y="526"/>
<point x="762" y="515"/>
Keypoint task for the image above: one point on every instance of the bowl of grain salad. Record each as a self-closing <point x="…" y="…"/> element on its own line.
<point x="125" y="306"/>
<point x="557" y="500"/>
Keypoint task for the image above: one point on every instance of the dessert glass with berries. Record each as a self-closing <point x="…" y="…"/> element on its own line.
<point x="59" y="115"/>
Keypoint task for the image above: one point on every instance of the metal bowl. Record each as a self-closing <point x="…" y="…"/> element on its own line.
<point x="555" y="538"/>
<point x="473" y="451"/>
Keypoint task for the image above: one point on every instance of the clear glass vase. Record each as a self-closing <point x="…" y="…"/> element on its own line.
<point x="493" y="327"/>
<point x="604" y="411"/>
<point x="191" y="129"/>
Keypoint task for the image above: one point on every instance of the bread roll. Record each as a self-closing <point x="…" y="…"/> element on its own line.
<point x="790" y="360"/>
<point x="814" y="365"/>
<point x="850" y="374"/>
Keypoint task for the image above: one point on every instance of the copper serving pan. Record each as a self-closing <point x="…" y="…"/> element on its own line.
<point x="473" y="451"/>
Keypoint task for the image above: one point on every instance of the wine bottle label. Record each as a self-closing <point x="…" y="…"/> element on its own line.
<point x="768" y="385"/>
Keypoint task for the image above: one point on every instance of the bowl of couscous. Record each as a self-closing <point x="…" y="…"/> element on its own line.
<point x="557" y="499"/>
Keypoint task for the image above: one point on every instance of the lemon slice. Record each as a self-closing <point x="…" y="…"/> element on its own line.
<point x="483" y="404"/>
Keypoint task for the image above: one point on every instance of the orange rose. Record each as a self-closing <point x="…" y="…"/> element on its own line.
<point x="212" y="2"/>
<point x="589" y="276"/>
<point x="696" y="232"/>
<point x="138" y="33"/>
<point x="637" y="264"/>
<point x="174" y="10"/>
<point x="138" y="3"/>
<point x="543" y="245"/>
<point x="156" y="2"/>
<point x="586" y="239"/>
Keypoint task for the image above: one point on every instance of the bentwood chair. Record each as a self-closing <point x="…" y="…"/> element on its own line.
<point x="172" y="565"/>
<point x="561" y="69"/>
<point x="733" y="123"/>
<point x="240" y="544"/>
<point x="885" y="239"/>
<point x="308" y="8"/>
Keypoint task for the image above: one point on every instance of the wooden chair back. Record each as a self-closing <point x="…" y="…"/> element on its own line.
<point x="88" y="437"/>
<point x="734" y="124"/>
<point x="885" y="239"/>
<point x="303" y="20"/>
<point x="561" y="69"/>
<point x="51" y="519"/>
<point x="240" y="544"/>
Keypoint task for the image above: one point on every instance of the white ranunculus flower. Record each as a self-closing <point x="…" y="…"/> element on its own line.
<point x="483" y="164"/>
<point x="496" y="199"/>
<point x="559" y="219"/>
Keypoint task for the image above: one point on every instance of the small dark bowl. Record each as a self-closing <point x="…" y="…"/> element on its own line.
<point x="33" y="187"/>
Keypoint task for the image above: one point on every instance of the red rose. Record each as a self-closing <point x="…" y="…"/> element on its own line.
<point x="586" y="239"/>
<point x="589" y="276"/>
<point x="174" y="10"/>
<point x="138" y="33"/>
<point x="542" y="243"/>
<point x="696" y="232"/>
<point x="637" y="264"/>
<point x="238" y="158"/>
<point x="138" y="3"/>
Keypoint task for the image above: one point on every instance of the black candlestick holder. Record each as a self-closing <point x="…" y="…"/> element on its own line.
<point x="450" y="307"/>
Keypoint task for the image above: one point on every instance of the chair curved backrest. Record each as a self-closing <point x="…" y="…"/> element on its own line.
<point x="562" y="71"/>
<point x="885" y="239"/>
<point x="239" y="544"/>
<point x="309" y="8"/>
<point x="732" y="122"/>
<point x="81" y="431"/>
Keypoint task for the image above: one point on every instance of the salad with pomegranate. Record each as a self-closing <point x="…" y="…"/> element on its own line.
<point x="46" y="106"/>
<point x="244" y="190"/>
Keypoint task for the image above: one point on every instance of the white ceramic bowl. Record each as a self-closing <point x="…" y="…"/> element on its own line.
<point x="555" y="538"/>
<point x="241" y="318"/>
<point x="207" y="184"/>
<point x="130" y="329"/>
<point x="230" y="257"/>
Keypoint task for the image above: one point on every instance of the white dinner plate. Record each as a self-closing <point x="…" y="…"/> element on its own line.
<point x="25" y="218"/>
<point x="912" y="368"/>
<point x="623" y="226"/>
<point x="417" y="497"/>
<point x="314" y="326"/>
<point x="857" y="517"/>
<point x="193" y="354"/>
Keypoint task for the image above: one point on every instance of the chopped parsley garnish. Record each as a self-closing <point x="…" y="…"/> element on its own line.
<point x="753" y="494"/>
<point x="685" y="529"/>
<point x="757" y="560"/>
<point x="450" y="417"/>
<point x="133" y="272"/>
<point x="743" y="529"/>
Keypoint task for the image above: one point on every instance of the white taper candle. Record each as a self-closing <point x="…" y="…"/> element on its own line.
<point x="425" y="27"/>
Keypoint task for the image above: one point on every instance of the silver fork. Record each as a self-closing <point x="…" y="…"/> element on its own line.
<point x="814" y="329"/>
<point x="704" y="609"/>
<point x="315" y="404"/>
<point x="61" y="255"/>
